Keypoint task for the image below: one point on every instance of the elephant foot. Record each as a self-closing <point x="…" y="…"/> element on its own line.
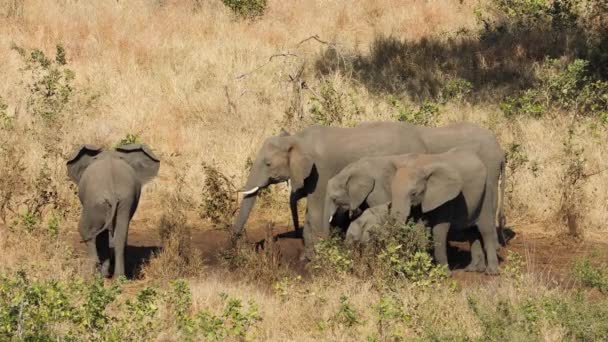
<point x="492" y="270"/>
<point x="104" y="269"/>
<point x="475" y="267"/>
<point x="306" y="255"/>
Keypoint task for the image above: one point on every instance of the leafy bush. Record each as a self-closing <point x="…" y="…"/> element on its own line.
<point x="248" y="9"/>
<point x="32" y="310"/>
<point x="457" y="88"/>
<point x="399" y="251"/>
<point x="130" y="138"/>
<point x="6" y="121"/>
<point x="590" y="275"/>
<point x="566" y="86"/>
<point x="331" y="257"/>
<point x="425" y="115"/>
<point x="50" y="82"/>
<point x="346" y="315"/>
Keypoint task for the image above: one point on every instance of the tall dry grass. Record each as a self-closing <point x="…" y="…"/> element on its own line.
<point x="202" y="88"/>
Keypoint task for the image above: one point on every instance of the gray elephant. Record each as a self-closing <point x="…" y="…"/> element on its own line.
<point x="109" y="186"/>
<point x="314" y="155"/>
<point x="362" y="229"/>
<point x="451" y="189"/>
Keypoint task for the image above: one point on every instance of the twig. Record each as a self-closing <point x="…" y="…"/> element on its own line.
<point x="315" y="37"/>
<point x="288" y="54"/>
<point x="231" y="104"/>
<point x="587" y="175"/>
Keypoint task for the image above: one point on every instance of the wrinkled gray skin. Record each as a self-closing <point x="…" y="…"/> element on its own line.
<point x="109" y="186"/>
<point x="453" y="190"/>
<point x="361" y="229"/>
<point x="314" y="155"/>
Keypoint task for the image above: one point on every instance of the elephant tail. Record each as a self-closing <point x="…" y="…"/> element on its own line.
<point x="111" y="220"/>
<point x="502" y="220"/>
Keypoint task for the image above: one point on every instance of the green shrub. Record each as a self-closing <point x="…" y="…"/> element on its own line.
<point x="457" y="89"/>
<point x="399" y="251"/>
<point x="50" y="82"/>
<point x="248" y="9"/>
<point x="590" y="275"/>
<point x="6" y="121"/>
<point x="425" y="115"/>
<point x="130" y="138"/>
<point x="331" y="257"/>
<point x="346" y="315"/>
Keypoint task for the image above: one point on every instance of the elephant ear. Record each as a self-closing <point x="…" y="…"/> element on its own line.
<point x="358" y="188"/>
<point x="300" y="166"/>
<point x="443" y="184"/>
<point x="80" y="159"/>
<point x="141" y="159"/>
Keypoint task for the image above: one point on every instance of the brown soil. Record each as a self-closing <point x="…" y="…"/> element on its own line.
<point x="547" y="254"/>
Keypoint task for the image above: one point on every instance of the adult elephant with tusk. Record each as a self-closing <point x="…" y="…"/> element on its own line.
<point x="312" y="156"/>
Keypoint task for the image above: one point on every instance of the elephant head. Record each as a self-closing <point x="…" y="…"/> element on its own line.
<point x="144" y="163"/>
<point x="281" y="158"/>
<point x="427" y="183"/>
<point x="347" y="191"/>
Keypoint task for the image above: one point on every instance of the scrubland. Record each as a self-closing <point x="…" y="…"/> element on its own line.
<point x="205" y="82"/>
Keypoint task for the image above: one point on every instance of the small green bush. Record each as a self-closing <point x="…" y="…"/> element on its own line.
<point x="6" y="121"/>
<point x="425" y="115"/>
<point x="50" y="82"/>
<point x="399" y="251"/>
<point x="247" y="9"/>
<point x="130" y="138"/>
<point x="590" y="275"/>
<point x="346" y="315"/>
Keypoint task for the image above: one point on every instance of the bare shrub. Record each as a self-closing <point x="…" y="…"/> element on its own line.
<point x="178" y="258"/>
<point x="260" y="263"/>
<point x="218" y="198"/>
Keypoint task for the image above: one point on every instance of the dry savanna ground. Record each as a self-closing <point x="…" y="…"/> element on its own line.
<point x="204" y="86"/>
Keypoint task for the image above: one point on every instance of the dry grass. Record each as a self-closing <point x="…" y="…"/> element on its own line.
<point x="198" y="87"/>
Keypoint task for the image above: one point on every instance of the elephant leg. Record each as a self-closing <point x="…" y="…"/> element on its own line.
<point x="92" y="252"/>
<point x="120" y="242"/>
<point x="313" y="227"/>
<point x="440" y="239"/>
<point x="490" y="242"/>
<point x="104" y="253"/>
<point x="478" y="259"/>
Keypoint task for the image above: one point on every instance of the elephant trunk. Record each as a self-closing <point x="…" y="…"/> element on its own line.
<point x="244" y="211"/>
<point x="255" y="182"/>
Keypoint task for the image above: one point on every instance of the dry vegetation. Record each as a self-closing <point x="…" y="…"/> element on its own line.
<point x="203" y="87"/>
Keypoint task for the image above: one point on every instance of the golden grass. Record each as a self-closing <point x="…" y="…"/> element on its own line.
<point x="172" y="75"/>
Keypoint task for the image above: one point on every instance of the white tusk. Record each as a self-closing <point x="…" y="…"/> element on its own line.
<point x="288" y="184"/>
<point x="254" y="190"/>
<point x="332" y="216"/>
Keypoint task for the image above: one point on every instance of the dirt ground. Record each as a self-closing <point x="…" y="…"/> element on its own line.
<point x="546" y="254"/>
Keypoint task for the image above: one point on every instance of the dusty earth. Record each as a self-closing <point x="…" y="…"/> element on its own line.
<point x="545" y="252"/>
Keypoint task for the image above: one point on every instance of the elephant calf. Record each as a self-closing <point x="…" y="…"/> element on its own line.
<point x="109" y="186"/>
<point x="361" y="230"/>
<point x="450" y="188"/>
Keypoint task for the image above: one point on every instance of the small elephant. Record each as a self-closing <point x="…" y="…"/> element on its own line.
<point x="361" y="229"/>
<point x="109" y="186"/>
<point x="449" y="188"/>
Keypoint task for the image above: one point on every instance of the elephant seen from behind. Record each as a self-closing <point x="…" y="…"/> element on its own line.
<point x="109" y="187"/>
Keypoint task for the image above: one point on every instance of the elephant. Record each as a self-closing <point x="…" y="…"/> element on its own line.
<point x="312" y="156"/>
<point x="109" y="187"/>
<point x="450" y="188"/>
<point x="361" y="230"/>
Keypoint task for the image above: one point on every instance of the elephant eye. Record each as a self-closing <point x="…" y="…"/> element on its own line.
<point x="267" y="162"/>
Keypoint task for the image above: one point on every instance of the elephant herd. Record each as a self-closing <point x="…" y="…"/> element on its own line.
<point x="360" y="175"/>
